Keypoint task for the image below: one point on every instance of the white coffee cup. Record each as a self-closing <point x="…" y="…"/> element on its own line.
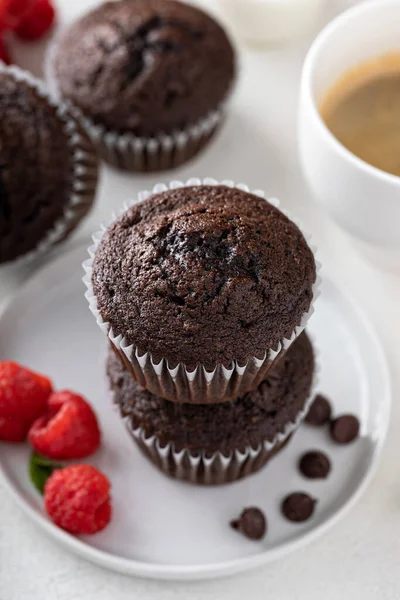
<point x="362" y="199"/>
<point x="270" y="21"/>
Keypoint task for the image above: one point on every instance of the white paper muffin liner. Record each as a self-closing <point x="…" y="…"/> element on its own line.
<point x="84" y="174"/>
<point x="141" y="154"/>
<point x="179" y="384"/>
<point x="217" y="468"/>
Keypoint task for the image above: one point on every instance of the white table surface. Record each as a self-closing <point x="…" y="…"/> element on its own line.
<point x="360" y="557"/>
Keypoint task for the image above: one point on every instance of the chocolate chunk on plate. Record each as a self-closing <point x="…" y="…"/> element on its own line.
<point x="315" y="465"/>
<point x="298" y="507"/>
<point x="251" y="523"/>
<point x="320" y="411"/>
<point x="345" y="429"/>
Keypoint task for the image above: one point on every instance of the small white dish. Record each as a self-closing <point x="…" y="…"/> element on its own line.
<point x="263" y="22"/>
<point x="362" y="199"/>
<point x="164" y="529"/>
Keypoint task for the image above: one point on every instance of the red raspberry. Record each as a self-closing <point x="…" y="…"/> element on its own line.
<point x="13" y="430"/>
<point x="68" y="430"/>
<point x="23" y="398"/>
<point x="4" y="54"/>
<point x="77" y="499"/>
<point x="35" y="21"/>
<point x="12" y="10"/>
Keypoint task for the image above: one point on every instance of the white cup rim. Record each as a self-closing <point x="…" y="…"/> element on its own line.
<point x="333" y="28"/>
<point x="274" y="2"/>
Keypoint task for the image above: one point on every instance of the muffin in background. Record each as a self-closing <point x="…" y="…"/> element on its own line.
<point x="48" y="169"/>
<point x="223" y="442"/>
<point x="150" y="77"/>
<point x="200" y="288"/>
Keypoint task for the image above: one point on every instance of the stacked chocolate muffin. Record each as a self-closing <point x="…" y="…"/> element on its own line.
<point x="201" y="290"/>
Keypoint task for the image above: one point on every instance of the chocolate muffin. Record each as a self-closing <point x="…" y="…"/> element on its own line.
<point x="203" y="275"/>
<point x="262" y="419"/>
<point x="46" y="187"/>
<point x="146" y="68"/>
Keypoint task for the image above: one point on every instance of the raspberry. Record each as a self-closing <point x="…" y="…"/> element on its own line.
<point x="11" y="11"/>
<point x="35" y="21"/>
<point x="4" y="55"/>
<point x="77" y="499"/>
<point x="13" y="430"/>
<point x="68" y="430"/>
<point x="23" y="398"/>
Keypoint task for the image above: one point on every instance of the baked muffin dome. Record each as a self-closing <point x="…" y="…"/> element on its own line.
<point x="203" y="275"/>
<point x="145" y="66"/>
<point x="36" y="169"/>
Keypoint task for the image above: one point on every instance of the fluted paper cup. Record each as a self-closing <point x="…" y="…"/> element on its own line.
<point x="179" y="383"/>
<point x="217" y="468"/>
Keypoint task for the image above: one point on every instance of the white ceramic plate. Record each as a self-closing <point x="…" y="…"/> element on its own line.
<point x="169" y="530"/>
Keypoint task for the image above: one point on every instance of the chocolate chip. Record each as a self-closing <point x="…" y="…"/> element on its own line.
<point x="345" y="429"/>
<point x="315" y="465"/>
<point x="320" y="411"/>
<point x="252" y="523"/>
<point x="298" y="507"/>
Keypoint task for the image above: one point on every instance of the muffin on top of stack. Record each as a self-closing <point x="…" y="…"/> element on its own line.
<point x="201" y="290"/>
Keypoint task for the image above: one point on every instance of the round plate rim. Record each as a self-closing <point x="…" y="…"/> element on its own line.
<point x="212" y="570"/>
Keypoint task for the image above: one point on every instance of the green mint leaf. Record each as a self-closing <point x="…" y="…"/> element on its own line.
<point x="40" y="469"/>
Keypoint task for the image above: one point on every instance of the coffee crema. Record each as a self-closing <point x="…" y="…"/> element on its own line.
<point x="362" y="110"/>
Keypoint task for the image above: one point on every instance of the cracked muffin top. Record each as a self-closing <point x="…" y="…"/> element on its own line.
<point x="35" y="167"/>
<point x="145" y="66"/>
<point x="203" y="274"/>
